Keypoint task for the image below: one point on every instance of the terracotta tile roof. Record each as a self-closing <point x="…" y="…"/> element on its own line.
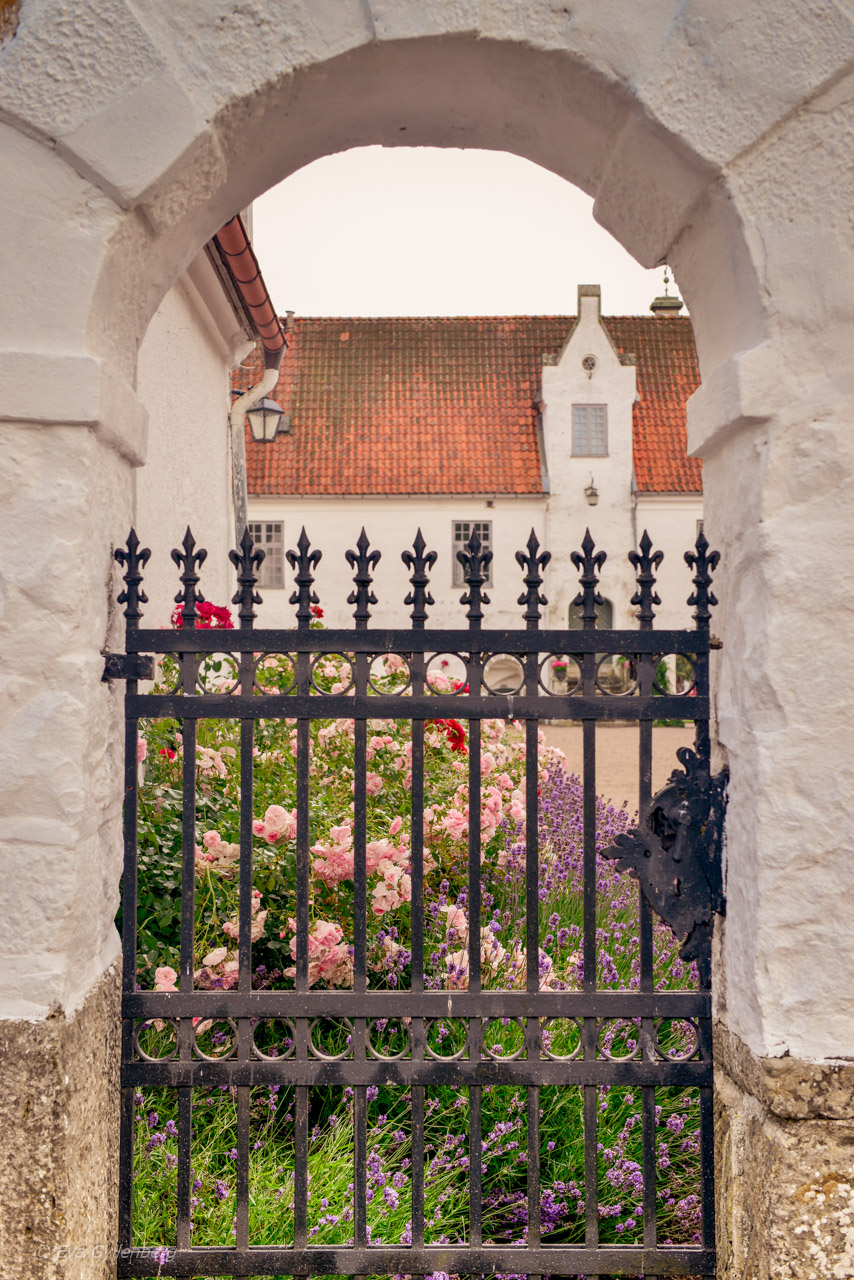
<point x="447" y="405"/>
<point x="668" y="372"/>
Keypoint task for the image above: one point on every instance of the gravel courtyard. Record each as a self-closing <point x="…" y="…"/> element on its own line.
<point x="617" y="756"/>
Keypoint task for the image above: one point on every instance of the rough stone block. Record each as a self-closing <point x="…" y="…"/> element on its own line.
<point x="785" y="1194"/>
<point x="59" y="1107"/>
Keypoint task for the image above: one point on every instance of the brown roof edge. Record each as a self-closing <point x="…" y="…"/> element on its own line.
<point x="239" y="260"/>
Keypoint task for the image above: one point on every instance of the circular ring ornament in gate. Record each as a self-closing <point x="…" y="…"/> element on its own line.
<point x="287" y="1051"/>
<point x="497" y="1051"/>
<point x="275" y="673"/>
<point x="394" y="1030"/>
<point x="389" y="674"/>
<point x="688" y="684"/>
<point x="503" y="673"/>
<point x="559" y="674"/>
<point x="677" y="1039"/>
<point x="217" y="673"/>
<point x="445" y="674"/>
<point x="617" y="675"/>
<point x="561" y="1039"/>
<point x="440" y="1029"/>
<point x="622" y="1030"/>
<point x="150" y="1025"/>
<point x="328" y="671"/>
<point x="339" y="1030"/>
<point x="209" y="1024"/>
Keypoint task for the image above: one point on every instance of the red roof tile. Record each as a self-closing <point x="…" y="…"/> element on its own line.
<point x="668" y="373"/>
<point x="447" y="405"/>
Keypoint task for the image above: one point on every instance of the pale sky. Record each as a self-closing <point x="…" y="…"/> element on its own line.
<point x="426" y="231"/>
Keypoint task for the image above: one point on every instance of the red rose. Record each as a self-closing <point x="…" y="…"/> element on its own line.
<point x="212" y="617"/>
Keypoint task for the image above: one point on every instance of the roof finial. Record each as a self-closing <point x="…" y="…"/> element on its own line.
<point x="664" y="304"/>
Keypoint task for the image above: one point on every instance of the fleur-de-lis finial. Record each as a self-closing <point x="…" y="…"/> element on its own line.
<point x="189" y="561"/>
<point x="419" y="597"/>
<point x="132" y="559"/>
<point x="644" y="562"/>
<point x="703" y="562"/>
<point x="533" y="563"/>
<point x="475" y="561"/>
<point x="304" y="561"/>
<point x="364" y="561"/>
<point x="589" y="563"/>
<point x="246" y="560"/>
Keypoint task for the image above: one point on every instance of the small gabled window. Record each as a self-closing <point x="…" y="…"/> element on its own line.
<point x="462" y="531"/>
<point x="269" y="536"/>
<point x="589" y="430"/>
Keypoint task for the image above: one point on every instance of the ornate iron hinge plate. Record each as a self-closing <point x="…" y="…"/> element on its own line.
<point x="128" y="666"/>
<point x="676" y="852"/>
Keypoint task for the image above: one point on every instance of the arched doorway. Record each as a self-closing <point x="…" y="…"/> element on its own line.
<point x="189" y="118"/>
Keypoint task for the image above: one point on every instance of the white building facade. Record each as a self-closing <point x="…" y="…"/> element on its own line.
<point x="574" y="407"/>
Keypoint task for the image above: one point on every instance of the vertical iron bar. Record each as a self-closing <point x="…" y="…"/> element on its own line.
<point x="360" y="1161"/>
<point x="416" y="907"/>
<point x="185" y="1172"/>
<point x="360" y="944"/>
<point x="702" y="741"/>
<point x="418" y="1149"/>
<point x="590" y="1028"/>
<point x="188" y="848"/>
<point x="360" y="891"/>
<point x="303" y="681"/>
<point x="532" y="942"/>
<point x="246" y="870"/>
<point x="241" y="1234"/>
<point x="647" y="979"/>
<point x="129" y="927"/>
<point x="475" y="1160"/>
<point x="301" y="1166"/>
<point x="244" y="1027"/>
<point x="474" y="901"/>
<point x="186" y="1033"/>
<point x="475" y="1028"/>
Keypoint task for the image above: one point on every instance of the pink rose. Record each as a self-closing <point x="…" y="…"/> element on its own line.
<point x="164" y="978"/>
<point x="456" y="823"/>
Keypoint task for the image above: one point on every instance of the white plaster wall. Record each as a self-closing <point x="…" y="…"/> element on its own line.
<point x="334" y="524"/>
<point x="185" y="363"/>
<point x="569" y="515"/>
<point x="712" y="133"/>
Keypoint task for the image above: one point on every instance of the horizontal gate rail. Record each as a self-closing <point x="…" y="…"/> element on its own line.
<point x="381" y="641"/>
<point x="461" y="1260"/>
<point x="674" y="853"/>
<point x="425" y="1004"/>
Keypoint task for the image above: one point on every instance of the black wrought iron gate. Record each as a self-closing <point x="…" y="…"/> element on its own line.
<point x="675" y="853"/>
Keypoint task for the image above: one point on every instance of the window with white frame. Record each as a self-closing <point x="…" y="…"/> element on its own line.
<point x="590" y="430"/>
<point x="269" y="536"/>
<point x="462" y="531"/>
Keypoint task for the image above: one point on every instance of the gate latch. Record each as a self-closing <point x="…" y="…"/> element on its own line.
<point x="676" y="851"/>
<point x="128" y="666"/>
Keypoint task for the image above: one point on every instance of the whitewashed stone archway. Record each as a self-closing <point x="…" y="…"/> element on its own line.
<point x="716" y="137"/>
